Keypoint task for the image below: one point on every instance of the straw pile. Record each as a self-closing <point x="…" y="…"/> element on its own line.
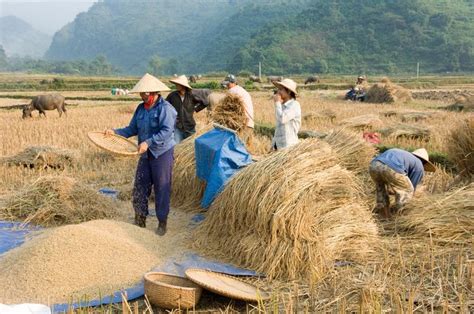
<point x="57" y="200"/>
<point x="464" y="102"/>
<point x="42" y="157"/>
<point x="407" y="131"/>
<point x="387" y="92"/>
<point x="444" y="217"/>
<point x="314" y="116"/>
<point x="352" y="151"/>
<point x="230" y="112"/>
<point x="439" y="181"/>
<point x="290" y="215"/>
<point x="369" y="121"/>
<point x="461" y="147"/>
<point x="78" y="261"/>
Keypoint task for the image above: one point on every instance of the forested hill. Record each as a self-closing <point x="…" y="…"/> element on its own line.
<point x="300" y="36"/>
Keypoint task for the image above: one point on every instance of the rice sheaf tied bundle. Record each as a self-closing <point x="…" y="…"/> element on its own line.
<point x="230" y="112"/>
<point x="55" y="201"/>
<point x="290" y="215"/>
<point x="446" y="218"/>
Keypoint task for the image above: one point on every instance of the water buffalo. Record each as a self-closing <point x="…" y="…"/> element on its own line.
<point x="272" y="79"/>
<point x="254" y="78"/>
<point x="193" y="79"/>
<point x="45" y="102"/>
<point x="312" y="79"/>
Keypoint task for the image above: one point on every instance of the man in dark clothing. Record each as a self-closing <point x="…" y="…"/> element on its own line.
<point x="185" y="103"/>
<point x="400" y="171"/>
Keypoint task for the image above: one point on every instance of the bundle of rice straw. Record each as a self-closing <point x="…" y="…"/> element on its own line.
<point x="57" y="200"/>
<point x="290" y="215"/>
<point x="387" y="92"/>
<point x="187" y="189"/>
<point x="42" y="157"/>
<point x="230" y="112"/>
<point x="439" y="181"/>
<point x="368" y="121"/>
<point x="406" y="130"/>
<point x="415" y="116"/>
<point x="447" y="217"/>
<point x="461" y="147"/>
<point x="80" y="262"/>
<point x="314" y="116"/>
<point x="463" y="102"/>
<point x="353" y="152"/>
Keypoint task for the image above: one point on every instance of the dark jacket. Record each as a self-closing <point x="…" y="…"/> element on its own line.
<point x="185" y="120"/>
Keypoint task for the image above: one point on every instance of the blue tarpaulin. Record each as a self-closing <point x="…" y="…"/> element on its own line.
<point x="219" y="155"/>
<point x="13" y="234"/>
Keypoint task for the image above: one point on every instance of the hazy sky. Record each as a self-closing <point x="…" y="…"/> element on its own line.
<point x="46" y="16"/>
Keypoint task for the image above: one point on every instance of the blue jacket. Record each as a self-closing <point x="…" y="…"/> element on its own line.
<point x="403" y="162"/>
<point x="154" y="126"/>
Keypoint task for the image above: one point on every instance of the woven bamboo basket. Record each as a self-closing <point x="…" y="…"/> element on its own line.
<point x="114" y="143"/>
<point x="171" y="292"/>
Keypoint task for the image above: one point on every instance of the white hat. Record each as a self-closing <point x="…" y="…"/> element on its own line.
<point x="147" y="84"/>
<point x="423" y="154"/>
<point x="181" y="80"/>
<point x="288" y="84"/>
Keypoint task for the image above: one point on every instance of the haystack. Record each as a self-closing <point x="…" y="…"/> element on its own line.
<point x="406" y="130"/>
<point x="290" y="215"/>
<point x="439" y="181"/>
<point x="369" y="121"/>
<point x="387" y="92"/>
<point x="80" y="262"/>
<point x="447" y="217"/>
<point x="461" y="147"/>
<point x="415" y="116"/>
<point x="230" y="112"/>
<point x="316" y="116"/>
<point x="57" y="200"/>
<point x="353" y="152"/>
<point x="42" y="157"/>
<point x="464" y="102"/>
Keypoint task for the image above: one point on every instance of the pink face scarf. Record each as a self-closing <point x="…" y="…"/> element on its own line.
<point x="150" y="101"/>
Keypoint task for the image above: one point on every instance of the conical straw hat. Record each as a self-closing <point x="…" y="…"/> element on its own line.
<point x="288" y="84"/>
<point x="423" y="154"/>
<point x="181" y="80"/>
<point x="148" y="83"/>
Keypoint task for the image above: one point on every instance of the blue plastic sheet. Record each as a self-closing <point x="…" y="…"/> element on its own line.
<point x="13" y="234"/>
<point x="219" y="155"/>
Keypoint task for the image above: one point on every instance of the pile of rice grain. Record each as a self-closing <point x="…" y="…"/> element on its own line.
<point x="57" y="200"/>
<point x="90" y="259"/>
<point x="290" y="215"/>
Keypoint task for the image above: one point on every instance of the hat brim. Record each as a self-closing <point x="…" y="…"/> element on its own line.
<point x="429" y="166"/>
<point x="181" y="83"/>
<point x="279" y="84"/>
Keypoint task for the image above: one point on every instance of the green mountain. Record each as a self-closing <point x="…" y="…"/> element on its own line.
<point x="19" y="38"/>
<point x="301" y="36"/>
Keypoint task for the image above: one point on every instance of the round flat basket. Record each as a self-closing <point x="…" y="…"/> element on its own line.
<point x="171" y="292"/>
<point x="226" y="285"/>
<point x="114" y="143"/>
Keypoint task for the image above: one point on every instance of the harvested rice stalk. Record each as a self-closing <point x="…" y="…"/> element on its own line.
<point x="57" y="200"/>
<point x="353" y="152"/>
<point x="368" y="121"/>
<point x="290" y="215"/>
<point x="439" y="181"/>
<point x="187" y="189"/>
<point x="447" y="217"/>
<point x="406" y="130"/>
<point x="230" y="112"/>
<point x="461" y="147"/>
<point x="387" y="92"/>
<point x="42" y="157"/>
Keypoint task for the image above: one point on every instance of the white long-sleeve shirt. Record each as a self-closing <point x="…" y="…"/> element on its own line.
<point x="288" y="123"/>
<point x="238" y="90"/>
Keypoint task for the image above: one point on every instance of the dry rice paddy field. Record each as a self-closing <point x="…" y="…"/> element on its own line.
<point x="303" y="217"/>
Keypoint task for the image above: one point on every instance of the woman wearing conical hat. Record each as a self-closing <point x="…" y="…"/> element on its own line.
<point x="153" y="122"/>
<point x="399" y="171"/>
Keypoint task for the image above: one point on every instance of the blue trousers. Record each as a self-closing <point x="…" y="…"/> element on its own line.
<point x="179" y="135"/>
<point x="156" y="172"/>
